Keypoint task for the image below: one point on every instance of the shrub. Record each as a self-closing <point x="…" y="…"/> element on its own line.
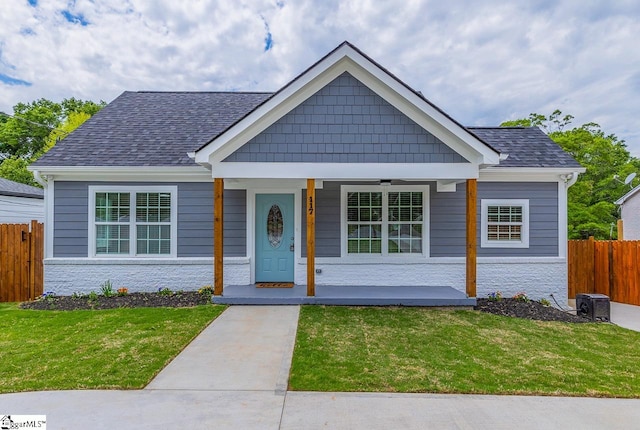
<point x="522" y="297"/>
<point x="206" y="291"/>
<point x="107" y="289"/>
<point x="495" y="297"/>
<point x="164" y="291"/>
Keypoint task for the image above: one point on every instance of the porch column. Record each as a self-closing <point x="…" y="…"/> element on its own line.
<point x="311" y="238"/>
<point x="218" y="235"/>
<point x="472" y="194"/>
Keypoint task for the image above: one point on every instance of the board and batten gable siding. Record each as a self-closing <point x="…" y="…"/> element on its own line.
<point x="448" y="212"/>
<point x="345" y="122"/>
<point x="195" y="219"/>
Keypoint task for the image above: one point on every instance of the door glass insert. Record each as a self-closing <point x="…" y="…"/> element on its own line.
<point x="275" y="226"/>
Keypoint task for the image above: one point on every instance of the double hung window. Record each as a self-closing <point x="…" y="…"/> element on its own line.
<point x="505" y="223"/>
<point x="127" y="221"/>
<point x="384" y="220"/>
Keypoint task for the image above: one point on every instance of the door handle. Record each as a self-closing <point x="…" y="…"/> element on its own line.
<point x="292" y="246"/>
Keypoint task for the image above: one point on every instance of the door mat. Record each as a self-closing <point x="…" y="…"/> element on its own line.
<point x="274" y="285"/>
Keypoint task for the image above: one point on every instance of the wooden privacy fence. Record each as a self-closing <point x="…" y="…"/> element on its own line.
<point x="21" y="267"/>
<point x="608" y="267"/>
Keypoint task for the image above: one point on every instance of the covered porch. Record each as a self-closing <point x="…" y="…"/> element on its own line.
<point x="345" y="296"/>
<point x="308" y="292"/>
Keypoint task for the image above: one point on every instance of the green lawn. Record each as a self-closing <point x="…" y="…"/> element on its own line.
<point x="423" y="350"/>
<point x="120" y="348"/>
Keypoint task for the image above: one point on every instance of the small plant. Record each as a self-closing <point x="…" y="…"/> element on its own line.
<point x="123" y="291"/>
<point x="495" y="297"/>
<point x="92" y="296"/>
<point x="522" y="297"/>
<point x="206" y="291"/>
<point x="164" y="291"/>
<point x="48" y="296"/>
<point x="107" y="289"/>
<point x="545" y="302"/>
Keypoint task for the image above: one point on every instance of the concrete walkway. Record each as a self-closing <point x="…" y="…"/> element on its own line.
<point x="234" y="376"/>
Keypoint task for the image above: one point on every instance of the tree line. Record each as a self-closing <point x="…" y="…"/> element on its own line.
<point x="34" y="128"/>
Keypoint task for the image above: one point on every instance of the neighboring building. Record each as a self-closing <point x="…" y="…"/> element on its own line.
<point x="630" y="214"/>
<point x="130" y="193"/>
<point x="20" y="203"/>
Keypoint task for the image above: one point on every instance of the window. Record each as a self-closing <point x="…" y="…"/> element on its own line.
<point x="383" y="220"/>
<point x="505" y="223"/>
<point x="125" y="221"/>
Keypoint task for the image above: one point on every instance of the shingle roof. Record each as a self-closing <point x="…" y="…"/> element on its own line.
<point x="151" y="129"/>
<point x="526" y="146"/>
<point x="16" y="189"/>
<point x="159" y="128"/>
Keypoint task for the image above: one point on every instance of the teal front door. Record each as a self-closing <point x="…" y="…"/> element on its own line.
<point x="274" y="237"/>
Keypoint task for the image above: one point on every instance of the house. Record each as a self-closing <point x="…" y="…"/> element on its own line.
<point x="346" y="183"/>
<point x="630" y="214"/>
<point x="20" y="203"/>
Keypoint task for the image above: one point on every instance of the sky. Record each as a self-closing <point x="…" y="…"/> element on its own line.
<point x="482" y="62"/>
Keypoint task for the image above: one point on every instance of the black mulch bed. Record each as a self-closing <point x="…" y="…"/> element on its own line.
<point x="531" y="310"/>
<point x="132" y="300"/>
<point x="505" y="307"/>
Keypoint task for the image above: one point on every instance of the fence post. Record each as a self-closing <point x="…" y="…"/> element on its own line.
<point x="620" y="230"/>
<point x="32" y="259"/>
<point x="592" y="261"/>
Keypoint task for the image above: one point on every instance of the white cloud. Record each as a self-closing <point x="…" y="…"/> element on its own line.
<point x="482" y="62"/>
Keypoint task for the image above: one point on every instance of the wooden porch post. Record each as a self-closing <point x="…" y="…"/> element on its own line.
<point x="218" y="236"/>
<point x="311" y="238"/>
<point x="472" y="194"/>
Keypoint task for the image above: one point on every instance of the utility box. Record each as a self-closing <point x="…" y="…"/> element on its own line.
<point x="595" y="307"/>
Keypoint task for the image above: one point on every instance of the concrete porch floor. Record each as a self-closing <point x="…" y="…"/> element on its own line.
<point x="345" y="295"/>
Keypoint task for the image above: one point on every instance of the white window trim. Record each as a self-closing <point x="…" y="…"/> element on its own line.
<point x="484" y="238"/>
<point x="133" y="189"/>
<point x="345" y="189"/>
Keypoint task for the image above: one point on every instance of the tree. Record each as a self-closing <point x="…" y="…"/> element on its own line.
<point x="34" y="128"/>
<point x="591" y="208"/>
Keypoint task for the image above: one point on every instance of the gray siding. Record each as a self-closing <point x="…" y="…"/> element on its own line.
<point x="327" y="221"/>
<point x="448" y="233"/>
<point x="195" y="219"/>
<point x="447" y="213"/>
<point x="345" y="122"/>
<point x="70" y="219"/>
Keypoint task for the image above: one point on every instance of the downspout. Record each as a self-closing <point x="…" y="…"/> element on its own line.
<point x="48" y="212"/>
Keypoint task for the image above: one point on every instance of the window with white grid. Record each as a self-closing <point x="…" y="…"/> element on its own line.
<point x="384" y="220"/>
<point x="505" y="223"/>
<point x="131" y="221"/>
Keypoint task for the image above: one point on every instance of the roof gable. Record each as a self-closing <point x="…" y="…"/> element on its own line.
<point x="346" y="58"/>
<point x="345" y="122"/>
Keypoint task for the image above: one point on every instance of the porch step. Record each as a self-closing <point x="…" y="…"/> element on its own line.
<point x="436" y="296"/>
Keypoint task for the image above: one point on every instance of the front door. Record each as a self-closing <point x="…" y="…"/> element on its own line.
<point x="274" y="237"/>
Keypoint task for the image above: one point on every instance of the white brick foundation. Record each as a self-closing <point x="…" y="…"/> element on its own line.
<point x="65" y="276"/>
<point x="538" y="277"/>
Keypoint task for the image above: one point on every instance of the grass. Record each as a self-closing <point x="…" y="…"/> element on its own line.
<point x="423" y="350"/>
<point x="115" y="349"/>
